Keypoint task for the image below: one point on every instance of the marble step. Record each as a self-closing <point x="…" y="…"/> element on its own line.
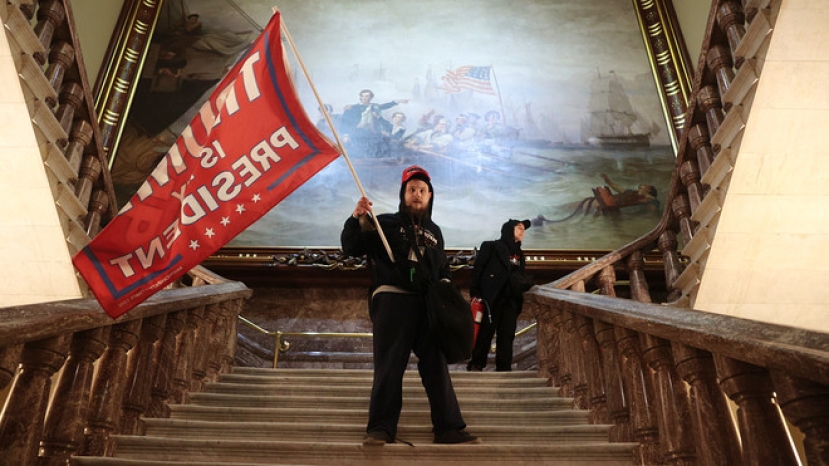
<point x="459" y="380"/>
<point x="191" y="452"/>
<point x="409" y="415"/>
<point x="360" y="399"/>
<point x="367" y="373"/>
<point x="323" y="389"/>
<point x="517" y="432"/>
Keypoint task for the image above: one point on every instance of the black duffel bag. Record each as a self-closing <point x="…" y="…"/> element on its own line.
<point x="450" y="319"/>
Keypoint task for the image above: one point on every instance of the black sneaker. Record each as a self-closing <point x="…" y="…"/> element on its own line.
<point x="455" y="437"/>
<point x="378" y="438"/>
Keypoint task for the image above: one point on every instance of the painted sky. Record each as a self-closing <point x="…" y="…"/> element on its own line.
<point x="543" y="52"/>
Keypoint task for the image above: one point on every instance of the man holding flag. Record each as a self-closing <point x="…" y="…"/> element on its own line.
<point x="250" y="145"/>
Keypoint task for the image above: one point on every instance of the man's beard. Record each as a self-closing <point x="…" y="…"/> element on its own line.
<point x="417" y="212"/>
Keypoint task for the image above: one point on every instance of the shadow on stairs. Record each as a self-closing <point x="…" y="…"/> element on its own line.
<point x="257" y="416"/>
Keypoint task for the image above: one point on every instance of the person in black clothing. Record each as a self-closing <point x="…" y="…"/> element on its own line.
<point x="398" y="309"/>
<point x="496" y="280"/>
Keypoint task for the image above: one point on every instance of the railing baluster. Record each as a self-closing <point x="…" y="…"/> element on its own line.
<point x="606" y="279"/>
<point x="21" y="424"/>
<point x="764" y="436"/>
<point x="639" y="290"/>
<point x="690" y="175"/>
<point x="579" y="366"/>
<point x="668" y="245"/>
<point x="61" y="57"/>
<point x="717" y="441"/>
<point x="108" y="390"/>
<point x="203" y="341"/>
<point x="50" y="15"/>
<point x="565" y="368"/>
<point x="597" y="399"/>
<point x="71" y="99"/>
<point x="9" y="361"/>
<point x="63" y="432"/>
<point x="711" y="104"/>
<point x="185" y="348"/>
<point x="98" y="207"/>
<point x="138" y="386"/>
<point x="700" y="143"/>
<point x="548" y="343"/>
<point x="731" y="19"/>
<point x="676" y="434"/>
<point x="165" y="367"/>
<point x="617" y="400"/>
<point x="640" y="392"/>
<point x="721" y="63"/>
<point x="806" y="405"/>
<point x="216" y="355"/>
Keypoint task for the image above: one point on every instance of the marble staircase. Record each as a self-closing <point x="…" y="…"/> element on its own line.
<point x="317" y="416"/>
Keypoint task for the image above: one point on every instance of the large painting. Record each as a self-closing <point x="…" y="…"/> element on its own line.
<point x="537" y="109"/>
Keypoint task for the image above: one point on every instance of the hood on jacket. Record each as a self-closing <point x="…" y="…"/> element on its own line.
<point x="415" y="172"/>
<point x="508" y="232"/>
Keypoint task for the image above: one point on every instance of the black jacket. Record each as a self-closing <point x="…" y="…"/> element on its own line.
<point x="491" y="272"/>
<point x="397" y="227"/>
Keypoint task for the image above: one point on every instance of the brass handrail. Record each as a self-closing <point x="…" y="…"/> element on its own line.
<point x="281" y="346"/>
<point x="526" y="329"/>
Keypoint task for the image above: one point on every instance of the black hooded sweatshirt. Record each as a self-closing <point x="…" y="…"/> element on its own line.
<point x="362" y="239"/>
<point x="494" y="263"/>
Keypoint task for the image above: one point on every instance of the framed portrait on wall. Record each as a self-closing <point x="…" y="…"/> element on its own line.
<point x="546" y="110"/>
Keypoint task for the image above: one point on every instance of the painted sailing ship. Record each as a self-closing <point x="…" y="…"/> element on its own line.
<point x="613" y="121"/>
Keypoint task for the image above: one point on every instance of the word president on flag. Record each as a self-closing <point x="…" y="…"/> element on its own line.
<point x="249" y="146"/>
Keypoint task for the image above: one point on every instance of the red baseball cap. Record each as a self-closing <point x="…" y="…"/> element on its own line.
<point x="414" y="170"/>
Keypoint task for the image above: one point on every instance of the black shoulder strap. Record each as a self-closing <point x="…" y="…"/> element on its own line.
<point x="416" y="248"/>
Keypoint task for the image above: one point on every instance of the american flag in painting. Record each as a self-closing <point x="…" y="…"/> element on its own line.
<point x="476" y="78"/>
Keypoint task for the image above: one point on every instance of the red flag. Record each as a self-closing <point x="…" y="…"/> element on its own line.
<point x="249" y="147"/>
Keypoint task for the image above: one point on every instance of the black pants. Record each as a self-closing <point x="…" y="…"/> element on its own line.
<point x="504" y="311"/>
<point x="400" y="327"/>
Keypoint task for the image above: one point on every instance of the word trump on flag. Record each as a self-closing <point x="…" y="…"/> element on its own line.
<point x="250" y="145"/>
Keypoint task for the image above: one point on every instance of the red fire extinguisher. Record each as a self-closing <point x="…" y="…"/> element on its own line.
<point x="478" y="308"/>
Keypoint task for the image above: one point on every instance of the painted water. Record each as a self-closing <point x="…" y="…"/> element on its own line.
<point x="475" y="193"/>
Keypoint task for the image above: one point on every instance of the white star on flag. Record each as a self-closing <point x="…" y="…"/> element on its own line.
<point x="250" y="142"/>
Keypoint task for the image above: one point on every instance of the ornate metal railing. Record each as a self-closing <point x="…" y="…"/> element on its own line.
<point x="663" y="374"/>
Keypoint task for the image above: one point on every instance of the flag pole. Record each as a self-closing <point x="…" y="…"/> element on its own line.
<point x="500" y="102"/>
<point x="336" y="134"/>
